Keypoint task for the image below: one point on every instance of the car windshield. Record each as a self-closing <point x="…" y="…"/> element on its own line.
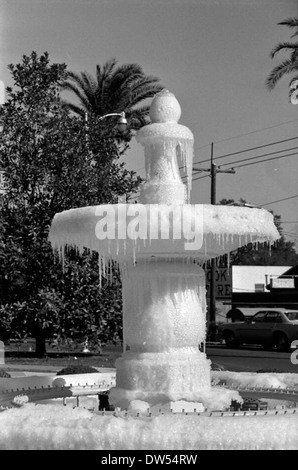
<point x="292" y="315"/>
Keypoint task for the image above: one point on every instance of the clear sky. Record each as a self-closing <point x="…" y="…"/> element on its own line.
<point x="212" y="54"/>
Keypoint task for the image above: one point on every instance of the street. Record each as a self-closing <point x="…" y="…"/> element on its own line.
<point x="250" y="359"/>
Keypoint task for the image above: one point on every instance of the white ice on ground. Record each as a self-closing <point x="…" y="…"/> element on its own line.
<point x="62" y="427"/>
<point x="44" y="428"/>
<point x="255" y="379"/>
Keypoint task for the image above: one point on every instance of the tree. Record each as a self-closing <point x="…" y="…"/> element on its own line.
<point x="289" y="65"/>
<point x="282" y="253"/>
<point x="113" y="90"/>
<point x="52" y="163"/>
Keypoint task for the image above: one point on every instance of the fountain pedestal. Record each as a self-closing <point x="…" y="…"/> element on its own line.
<point x="164" y="315"/>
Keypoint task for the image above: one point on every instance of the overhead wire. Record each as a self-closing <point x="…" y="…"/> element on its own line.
<point x="266" y="160"/>
<point x="254" y="132"/>
<point x="259" y="156"/>
<point x="246" y="150"/>
<point x="279" y="200"/>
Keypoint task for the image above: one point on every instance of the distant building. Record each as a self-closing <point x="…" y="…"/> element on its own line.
<point x="223" y="291"/>
<point x="255" y="287"/>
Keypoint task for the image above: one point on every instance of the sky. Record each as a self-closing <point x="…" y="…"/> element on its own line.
<point x="214" y="55"/>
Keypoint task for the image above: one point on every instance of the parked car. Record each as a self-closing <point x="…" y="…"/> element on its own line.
<point x="268" y="327"/>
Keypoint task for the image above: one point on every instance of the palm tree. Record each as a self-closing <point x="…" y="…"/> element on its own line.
<point x="289" y="65"/>
<point x="113" y="90"/>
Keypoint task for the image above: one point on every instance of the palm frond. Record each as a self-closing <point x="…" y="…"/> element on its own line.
<point x="291" y="23"/>
<point x="143" y="91"/>
<point x="278" y="72"/>
<point x="104" y="76"/>
<point x="128" y="70"/>
<point x="89" y="82"/>
<point x="79" y="93"/>
<point x="72" y="107"/>
<point x="284" y="46"/>
<point x="139" y="117"/>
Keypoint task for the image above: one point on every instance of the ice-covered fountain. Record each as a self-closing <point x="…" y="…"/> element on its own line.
<point x="160" y="245"/>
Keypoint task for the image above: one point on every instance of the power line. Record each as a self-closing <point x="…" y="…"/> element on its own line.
<point x="259" y="156"/>
<point x="254" y="132"/>
<point x="267" y="160"/>
<point x="247" y="150"/>
<point x="249" y="164"/>
<point x="279" y="200"/>
<point x="199" y="177"/>
<point x="248" y="133"/>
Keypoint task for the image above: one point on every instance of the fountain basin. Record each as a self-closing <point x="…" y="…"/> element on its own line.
<point x="206" y="231"/>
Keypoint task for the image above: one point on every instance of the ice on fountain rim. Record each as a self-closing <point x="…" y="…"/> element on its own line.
<point x="224" y="229"/>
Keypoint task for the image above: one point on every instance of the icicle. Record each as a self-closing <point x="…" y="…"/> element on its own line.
<point x="134" y="252"/>
<point x="99" y="271"/>
<point x="62" y="251"/>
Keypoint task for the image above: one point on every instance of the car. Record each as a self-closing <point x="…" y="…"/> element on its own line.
<point x="275" y="327"/>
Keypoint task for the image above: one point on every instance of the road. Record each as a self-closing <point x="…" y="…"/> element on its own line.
<point x="250" y="359"/>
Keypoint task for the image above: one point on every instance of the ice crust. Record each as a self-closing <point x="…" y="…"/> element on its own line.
<point x="164" y="321"/>
<point x="159" y="378"/>
<point x="166" y="145"/>
<point x="165" y="306"/>
<point x="222" y="229"/>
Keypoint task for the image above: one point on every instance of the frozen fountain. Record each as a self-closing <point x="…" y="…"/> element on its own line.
<point x="160" y="244"/>
<point x="163" y="394"/>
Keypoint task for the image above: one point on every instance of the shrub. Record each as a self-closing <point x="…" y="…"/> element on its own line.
<point x="5" y="374"/>
<point x="77" y="369"/>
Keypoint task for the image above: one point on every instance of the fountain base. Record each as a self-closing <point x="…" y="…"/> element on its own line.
<point x="160" y="377"/>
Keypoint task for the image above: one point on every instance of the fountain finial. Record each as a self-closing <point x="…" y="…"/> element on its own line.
<point x="165" y="107"/>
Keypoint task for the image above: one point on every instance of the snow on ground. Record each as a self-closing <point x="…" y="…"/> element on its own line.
<point x="52" y="426"/>
<point x="255" y="379"/>
<point x="44" y="427"/>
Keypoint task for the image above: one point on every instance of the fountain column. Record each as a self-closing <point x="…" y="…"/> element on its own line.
<point x="163" y="325"/>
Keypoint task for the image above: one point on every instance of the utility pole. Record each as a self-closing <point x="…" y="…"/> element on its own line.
<point x="212" y="306"/>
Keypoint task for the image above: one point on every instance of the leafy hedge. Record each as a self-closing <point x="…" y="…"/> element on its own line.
<point x="77" y="369"/>
<point x="5" y="374"/>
